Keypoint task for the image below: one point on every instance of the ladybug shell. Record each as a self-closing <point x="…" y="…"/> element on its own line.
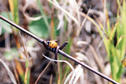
<point x="52" y="44"/>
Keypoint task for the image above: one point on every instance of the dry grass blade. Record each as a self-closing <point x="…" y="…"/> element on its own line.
<point x="29" y="18"/>
<point x="51" y="78"/>
<point x="74" y="76"/>
<point x="55" y="3"/>
<point x="97" y="26"/>
<point x="96" y="57"/>
<point x="59" y="61"/>
<point x="9" y="72"/>
<point x="42" y="73"/>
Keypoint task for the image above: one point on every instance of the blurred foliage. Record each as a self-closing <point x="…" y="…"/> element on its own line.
<point x="13" y="4"/>
<point x="5" y="27"/>
<point x="39" y="28"/>
<point x="14" y="10"/>
<point x="43" y="14"/>
<point x="113" y="37"/>
<point x="11" y="53"/>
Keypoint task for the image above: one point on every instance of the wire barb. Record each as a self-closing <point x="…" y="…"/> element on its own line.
<point x="59" y="51"/>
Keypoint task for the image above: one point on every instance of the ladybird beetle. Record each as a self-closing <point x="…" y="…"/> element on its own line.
<point x="52" y="45"/>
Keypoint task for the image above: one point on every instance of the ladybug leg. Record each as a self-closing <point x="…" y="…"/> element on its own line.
<point x="55" y="56"/>
<point x="63" y="45"/>
<point x="56" y="52"/>
<point x="57" y="49"/>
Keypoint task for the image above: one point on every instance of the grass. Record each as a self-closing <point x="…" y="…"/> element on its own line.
<point x="24" y="75"/>
<point x="115" y="42"/>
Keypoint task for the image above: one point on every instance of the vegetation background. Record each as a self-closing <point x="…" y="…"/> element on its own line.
<point x="94" y="29"/>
